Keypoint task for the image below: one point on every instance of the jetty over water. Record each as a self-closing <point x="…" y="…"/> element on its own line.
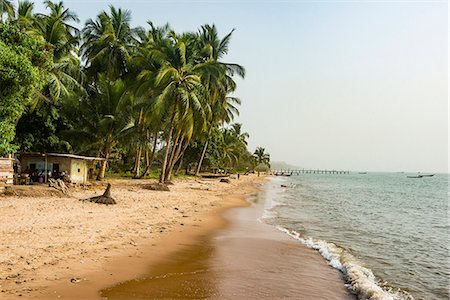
<point x="289" y="172"/>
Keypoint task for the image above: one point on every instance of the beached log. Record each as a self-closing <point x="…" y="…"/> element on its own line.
<point x="157" y="187"/>
<point x="226" y="180"/>
<point x="103" y="199"/>
<point x="213" y="176"/>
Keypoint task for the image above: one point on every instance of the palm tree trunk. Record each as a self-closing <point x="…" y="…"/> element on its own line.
<point x="181" y="153"/>
<point x="166" y="151"/>
<point x="149" y="161"/>
<point x="199" y="165"/>
<point x="172" y="153"/>
<point x="176" y="157"/>
<point x="180" y="157"/>
<point x="155" y="142"/>
<point x="102" y="172"/>
<point x="137" y="159"/>
<point x="179" y="165"/>
<point x="137" y="162"/>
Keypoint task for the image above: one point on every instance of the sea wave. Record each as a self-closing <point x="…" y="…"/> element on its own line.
<point x="359" y="279"/>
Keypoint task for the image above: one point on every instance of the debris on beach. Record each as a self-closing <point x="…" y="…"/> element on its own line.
<point x="103" y="199"/>
<point x="59" y="185"/>
<point x="157" y="187"/>
<point x="226" y="180"/>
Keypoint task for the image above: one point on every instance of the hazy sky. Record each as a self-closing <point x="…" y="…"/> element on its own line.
<point x="358" y="85"/>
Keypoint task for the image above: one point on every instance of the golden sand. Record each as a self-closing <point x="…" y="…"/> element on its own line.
<point x="49" y="245"/>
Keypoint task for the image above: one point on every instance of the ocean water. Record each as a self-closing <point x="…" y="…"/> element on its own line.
<point x="388" y="234"/>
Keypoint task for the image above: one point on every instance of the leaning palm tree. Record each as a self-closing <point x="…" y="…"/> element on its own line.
<point x="144" y="68"/>
<point x="219" y="85"/>
<point x="179" y="79"/>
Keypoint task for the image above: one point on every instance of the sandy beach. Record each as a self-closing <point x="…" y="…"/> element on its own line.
<point x="61" y="248"/>
<point x="53" y="246"/>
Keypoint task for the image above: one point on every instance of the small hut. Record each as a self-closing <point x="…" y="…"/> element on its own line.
<point x="42" y="166"/>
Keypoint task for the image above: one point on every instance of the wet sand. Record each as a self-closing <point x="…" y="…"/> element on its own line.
<point x="245" y="259"/>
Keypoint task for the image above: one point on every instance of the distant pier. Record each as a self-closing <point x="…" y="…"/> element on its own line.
<point x="289" y="172"/>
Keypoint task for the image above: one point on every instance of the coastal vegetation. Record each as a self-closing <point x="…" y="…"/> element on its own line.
<point x="152" y="100"/>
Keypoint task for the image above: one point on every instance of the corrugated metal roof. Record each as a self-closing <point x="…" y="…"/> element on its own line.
<point x="63" y="155"/>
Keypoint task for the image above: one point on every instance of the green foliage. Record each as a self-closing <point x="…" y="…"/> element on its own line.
<point x="104" y="115"/>
<point x="139" y="97"/>
<point x="40" y="130"/>
<point x="24" y="62"/>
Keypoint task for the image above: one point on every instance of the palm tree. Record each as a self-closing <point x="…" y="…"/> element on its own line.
<point x="236" y="128"/>
<point x="179" y="79"/>
<point x="261" y="156"/>
<point x="25" y="18"/>
<point x="108" y="42"/>
<point x="106" y="117"/>
<point x="66" y="74"/>
<point x="212" y="49"/>
<point x="56" y="29"/>
<point x="6" y="7"/>
<point x="144" y="68"/>
<point x="262" y="160"/>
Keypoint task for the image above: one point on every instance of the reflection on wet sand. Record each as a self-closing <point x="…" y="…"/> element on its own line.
<point x="185" y="275"/>
<point x="245" y="260"/>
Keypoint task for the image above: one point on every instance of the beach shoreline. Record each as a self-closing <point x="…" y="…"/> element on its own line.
<point x="246" y="259"/>
<point x="62" y="248"/>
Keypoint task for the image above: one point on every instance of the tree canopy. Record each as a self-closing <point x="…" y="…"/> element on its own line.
<point x="24" y="65"/>
<point x="147" y="98"/>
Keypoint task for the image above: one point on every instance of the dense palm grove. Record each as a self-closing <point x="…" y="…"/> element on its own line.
<point x="147" y="99"/>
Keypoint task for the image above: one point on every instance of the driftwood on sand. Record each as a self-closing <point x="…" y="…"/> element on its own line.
<point x="58" y="184"/>
<point x="103" y="199"/>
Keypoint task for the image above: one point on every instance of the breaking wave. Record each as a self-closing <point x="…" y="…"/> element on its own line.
<point x="359" y="279"/>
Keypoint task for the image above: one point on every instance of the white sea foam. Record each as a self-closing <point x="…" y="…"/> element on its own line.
<point x="270" y="204"/>
<point x="360" y="280"/>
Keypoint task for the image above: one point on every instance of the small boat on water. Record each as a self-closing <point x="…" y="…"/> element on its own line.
<point x="420" y="175"/>
<point x="362" y="173"/>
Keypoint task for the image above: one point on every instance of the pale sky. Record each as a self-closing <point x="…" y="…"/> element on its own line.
<point x="354" y="85"/>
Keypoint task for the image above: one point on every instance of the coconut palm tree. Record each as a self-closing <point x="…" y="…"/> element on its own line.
<point x="55" y="28"/>
<point x="144" y="67"/>
<point x="108" y="42"/>
<point x="106" y="116"/>
<point x="179" y="79"/>
<point x="25" y="17"/>
<point x="6" y="7"/>
<point x="261" y="156"/>
<point x="212" y="49"/>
